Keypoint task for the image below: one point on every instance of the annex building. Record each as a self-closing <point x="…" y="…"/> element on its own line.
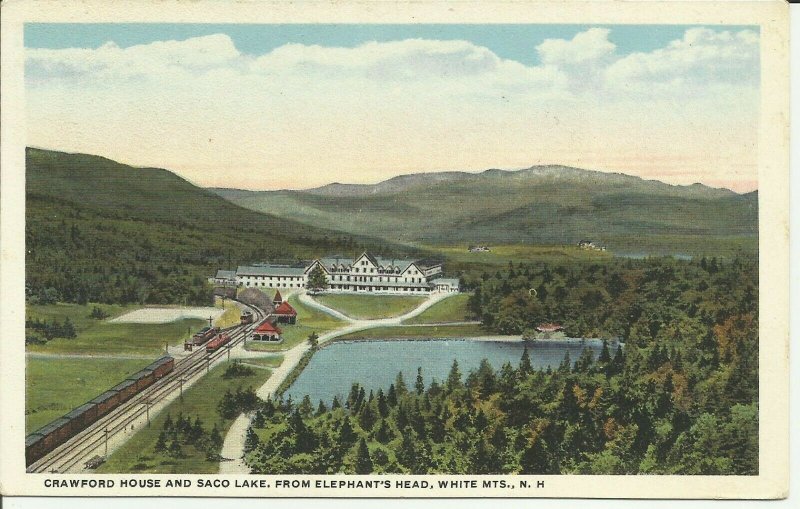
<point x="366" y="273"/>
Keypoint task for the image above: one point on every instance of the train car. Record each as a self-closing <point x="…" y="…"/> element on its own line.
<point x="246" y="318"/>
<point x="204" y="335"/>
<point x="126" y="390"/>
<point x="106" y="402"/>
<point x="33" y="448"/>
<point x="80" y="418"/>
<point x="143" y="379"/>
<point x="218" y="342"/>
<point x="162" y="366"/>
<point x="51" y="436"/>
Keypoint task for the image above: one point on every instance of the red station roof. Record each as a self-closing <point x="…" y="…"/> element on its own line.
<point x="278" y="297"/>
<point x="266" y="327"/>
<point x="285" y="309"/>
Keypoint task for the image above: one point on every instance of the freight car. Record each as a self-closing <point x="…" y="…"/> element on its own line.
<point x="162" y="366"/>
<point x="246" y="318"/>
<point x="44" y="440"/>
<point x="204" y="335"/>
<point x="218" y="342"/>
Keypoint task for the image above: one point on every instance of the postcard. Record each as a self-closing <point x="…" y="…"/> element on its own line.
<point x="403" y="249"/>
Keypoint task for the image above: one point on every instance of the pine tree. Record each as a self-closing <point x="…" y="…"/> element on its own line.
<point x="535" y="458"/>
<point x="251" y="441"/>
<point x="391" y="396"/>
<point x="335" y="404"/>
<point x="383" y="405"/>
<point x="321" y="408"/>
<point x="420" y="383"/>
<point x="384" y="433"/>
<point x="258" y="420"/>
<point x="346" y="433"/>
<point x="363" y="463"/>
<point x="605" y="355"/>
<point x="175" y="449"/>
<point x="161" y="444"/>
<point x="525" y="367"/>
<point x="400" y="384"/>
<point x="454" y="377"/>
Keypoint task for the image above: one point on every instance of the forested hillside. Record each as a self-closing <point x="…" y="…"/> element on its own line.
<point x="681" y="397"/>
<point x="100" y="231"/>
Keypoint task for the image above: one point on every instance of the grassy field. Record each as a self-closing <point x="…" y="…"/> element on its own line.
<point x="308" y="320"/>
<point x="371" y="307"/>
<point x="452" y="309"/>
<point x="200" y="400"/>
<point x="54" y="386"/>
<point x="264" y="362"/>
<point x="430" y="332"/>
<point x="231" y="316"/>
<point x="103" y="337"/>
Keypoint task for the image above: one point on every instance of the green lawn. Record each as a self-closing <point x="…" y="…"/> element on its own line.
<point x="371" y="307"/>
<point x="308" y="320"/>
<point x="54" y="386"/>
<point x="200" y="400"/>
<point x="104" y="337"/>
<point x="451" y="309"/>
<point x="231" y="316"/>
<point x="264" y="362"/>
<point x="431" y="332"/>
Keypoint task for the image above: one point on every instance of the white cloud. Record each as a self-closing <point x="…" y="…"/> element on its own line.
<point x="702" y="57"/>
<point x="413" y="104"/>
<point x="591" y="45"/>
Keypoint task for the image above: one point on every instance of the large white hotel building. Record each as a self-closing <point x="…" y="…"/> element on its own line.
<point x="366" y="273"/>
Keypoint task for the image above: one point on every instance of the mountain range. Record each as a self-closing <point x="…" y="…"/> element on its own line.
<point x="538" y="205"/>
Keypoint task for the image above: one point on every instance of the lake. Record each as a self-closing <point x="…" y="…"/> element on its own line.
<point x="375" y="364"/>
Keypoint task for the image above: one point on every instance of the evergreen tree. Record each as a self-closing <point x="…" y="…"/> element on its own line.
<point x="363" y="462"/>
<point x="391" y="396"/>
<point x="251" y="440"/>
<point x="347" y="435"/>
<point x="400" y="384"/>
<point x="420" y="383"/>
<point x="454" y="377"/>
<point x="175" y="449"/>
<point x="525" y="367"/>
<point x="383" y="405"/>
<point x="321" y="408"/>
<point x="161" y="444"/>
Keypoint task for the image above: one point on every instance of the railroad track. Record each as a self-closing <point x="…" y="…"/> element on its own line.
<point x="188" y="369"/>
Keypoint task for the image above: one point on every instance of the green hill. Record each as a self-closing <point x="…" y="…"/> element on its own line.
<point x="101" y="231"/>
<point x="540" y="205"/>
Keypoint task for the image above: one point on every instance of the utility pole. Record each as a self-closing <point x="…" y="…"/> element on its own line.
<point x="182" y="380"/>
<point x="210" y="321"/>
<point x="147" y="404"/>
<point x="106" y="451"/>
<point x="208" y="363"/>
<point x="229" y="351"/>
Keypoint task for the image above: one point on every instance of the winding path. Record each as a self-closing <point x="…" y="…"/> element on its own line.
<point x="233" y="446"/>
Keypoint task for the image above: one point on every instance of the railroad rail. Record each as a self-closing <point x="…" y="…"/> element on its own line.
<point x="85" y="443"/>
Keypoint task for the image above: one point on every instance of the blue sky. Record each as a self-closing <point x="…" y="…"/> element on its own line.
<point x="296" y="106"/>
<point x="515" y="42"/>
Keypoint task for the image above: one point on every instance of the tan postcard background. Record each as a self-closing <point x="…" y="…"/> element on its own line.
<point x="773" y="142"/>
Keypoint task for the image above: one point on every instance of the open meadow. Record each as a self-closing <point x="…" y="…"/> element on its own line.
<point x="54" y="386"/>
<point x="100" y="336"/>
<point x="370" y="307"/>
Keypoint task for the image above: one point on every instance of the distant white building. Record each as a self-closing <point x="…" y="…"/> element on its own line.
<point x="367" y="273"/>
